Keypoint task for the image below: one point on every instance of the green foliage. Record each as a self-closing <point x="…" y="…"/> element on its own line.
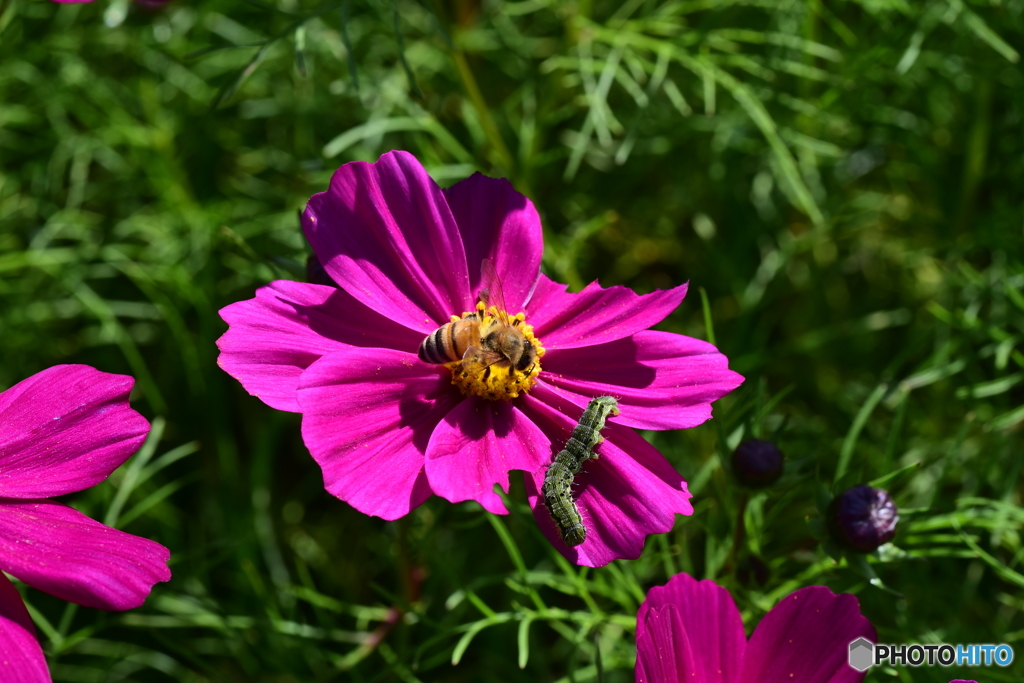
<point x="841" y="181"/>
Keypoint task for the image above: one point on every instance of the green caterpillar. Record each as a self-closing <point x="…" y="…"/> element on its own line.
<point x="578" y="449"/>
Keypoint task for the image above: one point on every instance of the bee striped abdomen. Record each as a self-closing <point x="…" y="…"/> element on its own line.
<point x="449" y="342"/>
<point x="439" y="347"/>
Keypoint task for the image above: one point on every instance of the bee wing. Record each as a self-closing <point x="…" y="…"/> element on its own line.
<point x="476" y="358"/>
<point x="492" y="293"/>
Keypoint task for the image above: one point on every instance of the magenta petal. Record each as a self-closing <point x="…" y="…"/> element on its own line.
<point x="65" y="429"/>
<point x="384" y="233"/>
<point x="21" y="656"/>
<point x="499" y="224"/>
<point x="665" y="654"/>
<point x="806" y="637"/>
<point x="594" y="316"/>
<point x="712" y="628"/>
<point x="367" y="417"/>
<point x="274" y="337"/>
<point x="62" y="552"/>
<point x="476" y="445"/>
<point x="661" y="380"/>
<point x="629" y="492"/>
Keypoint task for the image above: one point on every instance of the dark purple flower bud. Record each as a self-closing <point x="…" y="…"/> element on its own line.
<point x="863" y="518"/>
<point x="757" y="463"/>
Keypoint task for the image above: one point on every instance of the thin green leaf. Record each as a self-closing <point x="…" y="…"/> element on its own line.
<point x="523" y="640"/>
<point x="892" y="476"/>
<point x="134" y="471"/>
<point x="229" y="90"/>
<point x="300" y="50"/>
<point x="979" y="28"/>
<point x="350" y="55"/>
<point x="390" y="125"/>
<point x="1008" y="419"/>
<point x="474" y="629"/>
<point x="709" y="328"/>
<point x="850" y="442"/>
<point x="400" y="39"/>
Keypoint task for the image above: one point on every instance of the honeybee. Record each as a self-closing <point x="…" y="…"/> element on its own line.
<point x="481" y="341"/>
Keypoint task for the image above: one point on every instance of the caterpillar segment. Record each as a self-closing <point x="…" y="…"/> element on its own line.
<point x="561" y="475"/>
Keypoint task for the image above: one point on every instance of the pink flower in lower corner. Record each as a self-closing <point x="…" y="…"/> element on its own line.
<point x="690" y="631"/>
<point x="63" y="430"/>
<point x="390" y="429"/>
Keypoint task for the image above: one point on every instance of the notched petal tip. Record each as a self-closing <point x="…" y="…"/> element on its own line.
<point x="475" y="447"/>
<point x="500" y="225"/>
<point x="66" y="429"/>
<point x="384" y="232"/>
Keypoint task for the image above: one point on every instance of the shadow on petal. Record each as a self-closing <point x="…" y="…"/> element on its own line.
<point x="476" y="446"/>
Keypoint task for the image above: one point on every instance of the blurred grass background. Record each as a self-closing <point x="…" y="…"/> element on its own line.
<point x="842" y="180"/>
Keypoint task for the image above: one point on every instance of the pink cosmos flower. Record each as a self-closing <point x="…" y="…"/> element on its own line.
<point x="690" y="631"/>
<point x="389" y="429"/>
<point x="63" y="430"/>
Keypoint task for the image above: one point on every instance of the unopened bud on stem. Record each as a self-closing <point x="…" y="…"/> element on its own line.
<point x="863" y="518"/>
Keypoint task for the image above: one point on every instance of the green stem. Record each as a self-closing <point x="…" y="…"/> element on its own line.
<point x="497" y="143"/>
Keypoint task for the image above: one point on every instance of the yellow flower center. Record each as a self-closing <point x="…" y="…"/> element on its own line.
<point x="505" y="343"/>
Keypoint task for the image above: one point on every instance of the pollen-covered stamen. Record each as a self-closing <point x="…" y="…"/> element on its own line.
<point x="505" y="362"/>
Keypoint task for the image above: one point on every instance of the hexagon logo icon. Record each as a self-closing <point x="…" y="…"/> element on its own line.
<point x="862" y="654"/>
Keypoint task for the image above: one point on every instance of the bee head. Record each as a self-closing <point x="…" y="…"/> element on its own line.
<point x="528" y="357"/>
